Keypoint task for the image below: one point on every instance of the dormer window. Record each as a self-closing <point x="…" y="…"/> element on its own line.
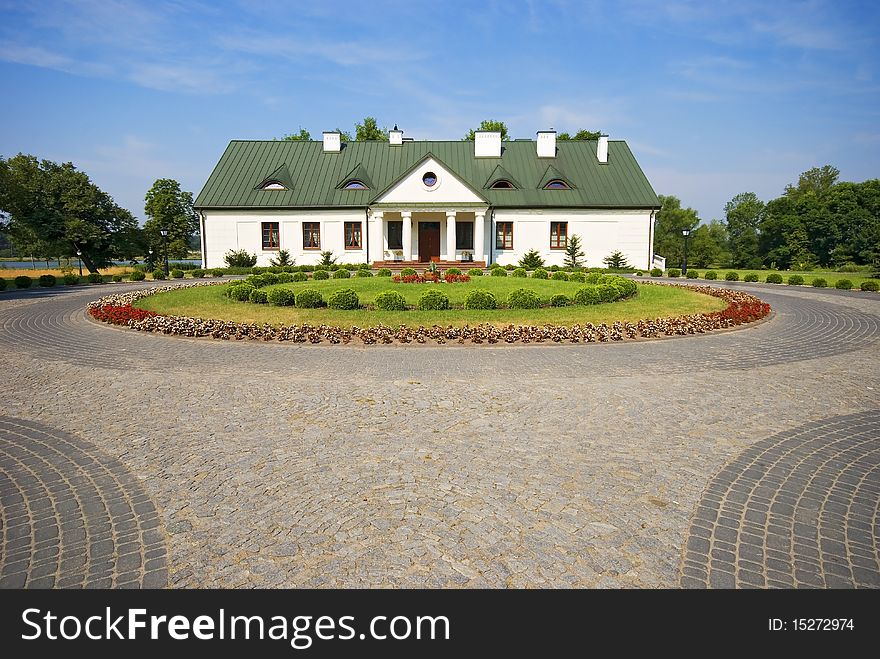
<point x="502" y="184"/>
<point x="355" y="185"/>
<point x="273" y="185"/>
<point x="557" y="184"/>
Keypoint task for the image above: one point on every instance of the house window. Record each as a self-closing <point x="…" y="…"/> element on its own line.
<point x="355" y="185"/>
<point x="558" y="235"/>
<point x="353" y="235"/>
<point x="270" y="235"/>
<point x="273" y="185"/>
<point x="311" y="235"/>
<point x="502" y="184"/>
<point x="464" y="235"/>
<point x="557" y="184"/>
<point x="395" y="234"/>
<point x="504" y="235"/>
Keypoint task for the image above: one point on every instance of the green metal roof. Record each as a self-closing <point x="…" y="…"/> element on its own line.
<point x="315" y="176"/>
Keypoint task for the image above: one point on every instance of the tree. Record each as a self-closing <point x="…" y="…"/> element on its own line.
<point x="167" y="207"/>
<point x="744" y="214"/>
<point x="240" y="259"/>
<point x="669" y="222"/>
<point x="369" y="130"/>
<point x="302" y="136"/>
<point x="283" y="258"/>
<point x="817" y="181"/>
<point x="489" y="124"/>
<point x="59" y="209"/>
<point x="616" y="261"/>
<point x="573" y="252"/>
<point x="581" y="135"/>
<point x="531" y="260"/>
<point x="708" y="245"/>
<point x="327" y="258"/>
<point x="345" y="136"/>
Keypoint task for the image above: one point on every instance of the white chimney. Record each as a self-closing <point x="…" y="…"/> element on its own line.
<point x="487" y="144"/>
<point x="547" y="143"/>
<point x="395" y="136"/>
<point x="602" y="149"/>
<point x="332" y="141"/>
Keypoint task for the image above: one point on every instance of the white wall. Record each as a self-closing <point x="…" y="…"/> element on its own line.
<point x="601" y="231"/>
<point x="234" y="230"/>
<point x="449" y="188"/>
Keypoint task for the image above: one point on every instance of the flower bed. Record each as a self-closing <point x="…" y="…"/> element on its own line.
<point x="742" y="308"/>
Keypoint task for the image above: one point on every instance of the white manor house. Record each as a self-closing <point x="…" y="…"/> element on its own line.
<point x="406" y="202"/>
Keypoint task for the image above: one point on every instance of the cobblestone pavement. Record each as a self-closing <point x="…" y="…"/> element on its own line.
<point x="523" y="466"/>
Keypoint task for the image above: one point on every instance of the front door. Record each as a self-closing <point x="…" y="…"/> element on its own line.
<point x="429" y="241"/>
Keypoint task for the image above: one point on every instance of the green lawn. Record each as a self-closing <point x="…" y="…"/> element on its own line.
<point x="831" y="276"/>
<point x="649" y="302"/>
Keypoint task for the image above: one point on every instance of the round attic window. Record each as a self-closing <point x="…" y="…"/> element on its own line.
<point x="429" y="179"/>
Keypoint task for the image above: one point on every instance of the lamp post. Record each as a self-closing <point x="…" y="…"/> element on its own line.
<point x="79" y="256"/>
<point x="164" y="233"/>
<point x="684" y="263"/>
<point x="150" y="256"/>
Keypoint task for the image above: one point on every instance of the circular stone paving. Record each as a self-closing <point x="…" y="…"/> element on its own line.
<point x="72" y="516"/>
<point x="798" y="509"/>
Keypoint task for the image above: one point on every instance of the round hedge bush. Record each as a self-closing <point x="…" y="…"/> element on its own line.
<point x="383" y="272"/>
<point x="256" y="281"/>
<point x="49" y="280"/>
<point x="309" y="298"/>
<point x="693" y="274"/>
<point x="540" y="273"/>
<point x="72" y="280"/>
<point x="627" y="286"/>
<point x="197" y="274"/>
<point x="843" y="284"/>
<point x="258" y="296"/>
<point x="258" y="270"/>
<point x="673" y="272"/>
<point x="579" y="277"/>
<point x="519" y="272"/>
<point x="819" y="282"/>
<point x="559" y="275"/>
<point x="710" y="274"/>
<point x="594" y="277"/>
<point x="217" y="272"/>
<point x="751" y="276"/>
<point x="587" y="295"/>
<point x="453" y="271"/>
<point x="137" y="275"/>
<point x="300" y="276"/>
<point x="609" y="292"/>
<point x="523" y="298"/>
<point x="731" y="276"/>
<point x="2" y="284"/>
<point x="498" y="272"/>
<point x="281" y="297"/>
<point x="158" y="274"/>
<point x="117" y="278"/>
<point x="475" y="272"/>
<point x="177" y="274"/>
<point x="774" y="278"/>
<point x="656" y="272"/>
<point x="795" y="280"/>
<point x="559" y="300"/>
<point x="95" y="278"/>
<point x="408" y="272"/>
<point x="345" y="298"/>
<point x="318" y="275"/>
<point x="269" y="278"/>
<point x="433" y="300"/>
<point x="240" y="292"/>
<point x="363" y="272"/>
<point x="285" y="278"/>
<point x="390" y="301"/>
<point x="869" y="286"/>
<point x="23" y="281"/>
<point x="480" y="299"/>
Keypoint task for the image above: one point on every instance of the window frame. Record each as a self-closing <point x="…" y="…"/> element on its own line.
<point x="355" y="184"/>
<point x="360" y="234"/>
<point x="459" y="226"/>
<point x="559" y="237"/>
<point x="312" y="227"/>
<point x="396" y="223"/>
<point x="263" y="236"/>
<point x="502" y="184"/>
<point x="503" y="235"/>
<point x="557" y="184"/>
<point x="273" y="185"/>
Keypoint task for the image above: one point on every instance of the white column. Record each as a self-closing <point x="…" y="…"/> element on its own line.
<point x="450" y="235"/>
<point x="378" y="247"/>
<point x="406" y="216"/>
<point x="479" y="236"/>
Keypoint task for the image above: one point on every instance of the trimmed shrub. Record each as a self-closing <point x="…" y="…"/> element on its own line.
<point x="49" y="280"/>
<point x="553" y="268"/>
<point x="673" y="272"/>
<point x="239" y="259"/>
<point x="345" y="298"/>
<point x="751" y="276"/>
<point x="256" y="281"/>
<point x="198" y="274"/>
<point x="319" y="274"/>
<point x="818" y="282"/>
<point x="408" y="272"/>
<point x="849" y="267"/>
<point x="240" y="291"/>
<point x="342" y="273"/>
<point x="692" y="274"/>
<point x="627" y="286"/>
<point x="710" y="274"/>
<point x="177" y="274"/>
<point x="475" y="272"/>
<point x="269" y="278"/>
<point x="390" y="301"/>
<point x="480" y="299"/>
<point x="95" y="278"/>
<point x="587" y="295"/>
<point x="869" y="286"/>
<point x="158" y="274"/>
<point x="453" y="271"/>
<point x="309" y="299"/>
<point x="285" y="278"/>
<point x="299" y="276"/>
<point x="433" y="300"/>
<point x="559" y="300"/>
<point x="217" y="272"/>
<point x="578" y="277"/>
<point x="364" y="266"/>
<point x="281" y="297"/>
<point x="519" y="272"/>
<point x="795" y="280"/>
<point x="2" y="284"/>
<point x="383" y="272"/>
<point x="258" y="296"/>
<point x="523" y="298"/>
<point x="592" y="278"/>
<point x="774" y="278"/>
<point x="363" y="272"/>
<point x="258" y="270"/>
<point x="559" y="276"/>
<point x="656" y="272"/>
<point x="116" y="278"/>
<point x="540" y="273"/>
<point x="510" y="266"/>
<point x="498" y="272"/>
<point x="731" y="276"/>
<point x="72" y="280"/>
<point x="609" y="292"/>
<point x="843" y="284"/>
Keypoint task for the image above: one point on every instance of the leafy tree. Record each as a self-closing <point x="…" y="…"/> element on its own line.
<point x="170" y="208"/>
<point x="669" y="222"/>
<point x="573" y="252"/>
<point x="240" y="259"/>
<point x="302" y="136"/>
<point x="369" y="130"/>
<point x="616" y="261"/>
<point x="345" y="135"/>
<point x="817" y="181"/>
<point x="531" y="260"/>
<point x="283" y="258"/>
<point x="582" y="134"/>
<point x="708" y="245"/>
<point x="489" y="124"/>
<point x="327" y="258"/>
<point x="744" y="214"/>
<point x="57" y="210"/>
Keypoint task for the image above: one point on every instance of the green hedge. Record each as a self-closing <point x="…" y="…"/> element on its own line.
<point x="795" y="280"/>
<point x="559" y="275"/>
<point x="342" y="273"/>
<point x="433" y="300"/>
<point x="475" y="272"/>
<point x="319" y="274"/>
<point x="258" y="296"/>
<point x="819" y="282"/>
<point x="731" y="276"/>
<point x="872" y="286"/>
<point x="383" y="272"/>
<point x="281" y="297"/>
<point x="71" y="279"/>
<point x="523" y="298"/>
<point x="519" y="272"/>
<point x="47" y="280"/>
<point x="587" y="295"/>
<point x="559" y="300"/>
<point x="480" y="299"/>
<point x="710" y="274"/>
<point x="540" y="273"/>
<point x="774" y="278"/>
<point x="390" y="301"/>
<point x="751" y="276"/>
<point x="673" y="272"/>
<point x="498" y="272"/>
<point x="309" y="298"/>
<point x="345" y="298"/>
<point x="843" y="284"/>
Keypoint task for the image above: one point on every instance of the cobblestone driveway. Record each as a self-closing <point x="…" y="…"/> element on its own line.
<point x="285" y="465"/>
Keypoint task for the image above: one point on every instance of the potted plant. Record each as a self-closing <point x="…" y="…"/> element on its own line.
<point x="396" y="254"/>
<point x="467" y="256"/>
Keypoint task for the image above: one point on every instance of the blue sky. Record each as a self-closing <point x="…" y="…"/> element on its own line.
<point x="714" y="98"/>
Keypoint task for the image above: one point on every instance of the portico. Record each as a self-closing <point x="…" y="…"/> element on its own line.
<point x="422" y="234"/>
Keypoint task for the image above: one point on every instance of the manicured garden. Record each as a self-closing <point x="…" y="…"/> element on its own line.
<point x="856" y="280"/>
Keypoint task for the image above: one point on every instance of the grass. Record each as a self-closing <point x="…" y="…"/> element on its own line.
<point x="12" y="273"/>
<point x="649" y="302"/>
<point x="831" y="276"/>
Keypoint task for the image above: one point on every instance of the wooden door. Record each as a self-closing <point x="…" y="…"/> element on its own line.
<point x="429" y="241"/>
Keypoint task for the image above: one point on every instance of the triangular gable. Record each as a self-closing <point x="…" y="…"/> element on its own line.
<point x="281" y="174"/>
<point x="498" y="174"/>
<point x="550" y="174"/>
<point x="409" y="188"/>
<point x="356" y="174"/>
